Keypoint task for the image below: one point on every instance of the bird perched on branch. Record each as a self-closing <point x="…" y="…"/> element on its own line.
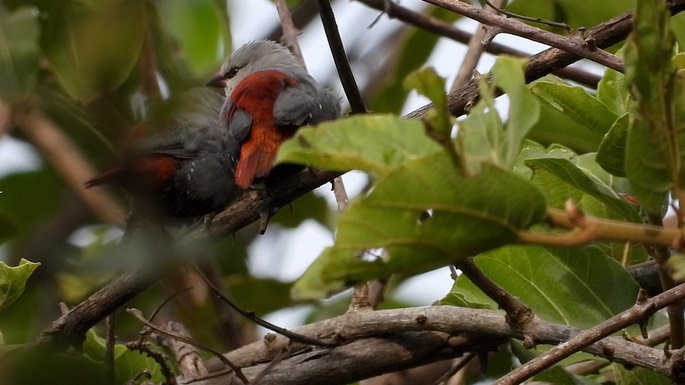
<point x="180" y="167"/>
<point x="269" y="96"/>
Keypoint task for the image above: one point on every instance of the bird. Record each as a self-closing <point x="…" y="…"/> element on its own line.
<point x="179" y="168"/>
<point x="269" y="95"/>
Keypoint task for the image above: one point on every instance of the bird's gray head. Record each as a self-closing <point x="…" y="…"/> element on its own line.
<point x="256" y="56"/>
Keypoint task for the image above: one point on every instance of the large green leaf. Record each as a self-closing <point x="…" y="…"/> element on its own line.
<point x="561" y="180"/>
<point x="19" y="52"/>
<point x="374" y="143"/>
<point x="555" y="127"/>
<point x="198" y="27"/>
<point x="576" y="103"/>
<point x="93" y="46"/>
<point x="653" y="155"/>
<point x="579" y="287"/>
<point x="13" y="280"/>
<point x="422" y="215"/>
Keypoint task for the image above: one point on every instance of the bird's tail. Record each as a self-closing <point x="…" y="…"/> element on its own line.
<point x="254" y="162"/>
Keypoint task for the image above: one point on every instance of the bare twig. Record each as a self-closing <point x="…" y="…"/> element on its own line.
<point x="538" y="20"/>
<point x="576" y="44"/>
<point x="189" y="361"/>
<point x="461" y="364"/>
<point x="518" y="314"/>
<point x="159" y="358"/>
<point x="635" y="314"/>
<point x="289" y="31"/>
<point x="137" y="314"/>
<point x="475" y="50"/>
<point x="340" y="58"/>
<point x="439" y="27"/>
<point x="110" y="340"/>
<point x="261" y="322"/>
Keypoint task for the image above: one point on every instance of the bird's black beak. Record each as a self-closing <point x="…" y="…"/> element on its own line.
<point x="217" y="81"/>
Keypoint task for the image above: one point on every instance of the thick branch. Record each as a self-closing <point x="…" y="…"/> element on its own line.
<point x="446" y="331"/>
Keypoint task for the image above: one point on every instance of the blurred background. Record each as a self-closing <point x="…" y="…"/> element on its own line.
<point x="76" y="75"/>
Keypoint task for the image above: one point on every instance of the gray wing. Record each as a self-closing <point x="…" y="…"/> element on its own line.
<point x="306" y="103"/>
<point x="238" y="124"/>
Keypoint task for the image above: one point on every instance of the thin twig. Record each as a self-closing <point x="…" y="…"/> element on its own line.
<point x="439" y="27"/>
<point x="159" y="358"/>
<point x="518" y="314"/>
<point x="189" y="361"/>
<point x="282" y="354"/>
<point x="137" y="314"/>
<point x="661" y="254"/>
<point x="590" y="229"/>
<point x="335" y="43"/>
<point x="635" y="314"/>
<point x="475" y="50"/>
<point x="538" y="20"/>
<point x="576" y="44"/>
<point x="110" y="340"/>
<point x="289" y="31"/>
<point x="263" y="323"/>
<point x="461" y="364"/>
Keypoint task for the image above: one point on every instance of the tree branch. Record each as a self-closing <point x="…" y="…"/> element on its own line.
<point x="439" y="27"/>
<point x="405" y="336"/>
<point x="603" y="35"/>
<point x="578" y="43"/>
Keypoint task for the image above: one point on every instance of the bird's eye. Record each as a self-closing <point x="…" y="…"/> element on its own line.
<point x="232" y="72"/>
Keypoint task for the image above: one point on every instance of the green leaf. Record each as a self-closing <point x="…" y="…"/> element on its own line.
<point x="484" y="138"/>
<point x="613" y="92"/>
<point x="612" y="151"/>
<point x="198" y="27"/>
<point x="524" y="110"/>
<point x="13" y="280"/>
<point x="93" y="46"/>
<point x="19" y="53"/>
<point x="639" y="376"/>
<point x="422" y="215"/>
<point x="577" y="104"/>
<point x="579" y="287"/>
<point x="575" y="13"/>
<point x="127" y="363"/>
<point x="374" y="143"/>
<point x="555" y="127"/>
<point x="429" y="84"/>
<point x="561" y="180"/>
<point x="652" y="155"/>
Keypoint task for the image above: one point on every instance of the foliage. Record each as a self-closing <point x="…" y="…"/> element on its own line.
<point x="442" y="190"/>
